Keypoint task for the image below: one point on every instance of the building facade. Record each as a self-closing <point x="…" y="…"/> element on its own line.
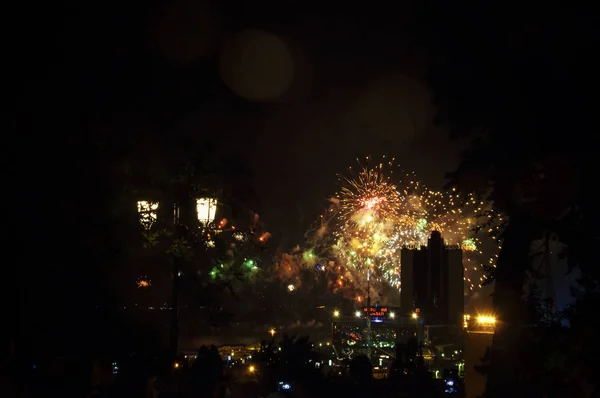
<point x="386" y="329"/>
<point x="432" y="281"/>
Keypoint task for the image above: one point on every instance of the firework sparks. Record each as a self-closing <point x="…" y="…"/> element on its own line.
<point x="368" y="197"/>
<point x="380" y="210"/>
<point x="368" y="212"/>
<point x="264" y="237"/>
<point x="143" y="282"/>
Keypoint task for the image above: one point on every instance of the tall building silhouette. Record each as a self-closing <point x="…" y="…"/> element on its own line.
<point x="432" y="280"/>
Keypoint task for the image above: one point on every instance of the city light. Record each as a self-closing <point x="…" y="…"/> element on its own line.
<point x="272" y="332"/>
<point x="357" y="314"/>
<point x="414" y="315"/>
<point x="486" y="320"/>
<point x="392" y="315"/>
<point x="176" y="365"/>
<point x="336" y="313"/>
<point x="291" y="288"/>
<point x="206" y="209"/>
<point x="251" y="369"/>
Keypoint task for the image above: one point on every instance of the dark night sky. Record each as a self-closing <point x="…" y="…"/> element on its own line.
<point x="296" y="89"/>
<point x="348" y="86"/>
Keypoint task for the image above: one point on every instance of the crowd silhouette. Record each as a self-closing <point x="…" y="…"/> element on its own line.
<point x="205" y="375"/>
<point x="292" y="361"/>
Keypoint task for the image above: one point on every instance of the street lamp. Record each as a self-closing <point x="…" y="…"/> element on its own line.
<point x="336" y="313"/>
<point x="206" y="209"/>
<point x="147" y="211"/>
<point x="357" y="313"/>
<point x="486" y="320"/>
<point x="272" y="332"/>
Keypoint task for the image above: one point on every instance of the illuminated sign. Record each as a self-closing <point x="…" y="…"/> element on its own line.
<point x="379" y="312"/>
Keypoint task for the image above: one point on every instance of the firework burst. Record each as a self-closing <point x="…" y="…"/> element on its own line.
<point x="143" y="282"/>
<point x="380" y="210"/>
<point x="369" y="196"/>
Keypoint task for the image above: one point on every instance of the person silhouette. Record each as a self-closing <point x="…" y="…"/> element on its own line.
<point x="361" y="370"/>
<point x="215" y="364"/>
<point x="198" y="376"/>
<point x="361" y="374"/>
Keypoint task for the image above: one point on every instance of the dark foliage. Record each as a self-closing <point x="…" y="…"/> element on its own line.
<point x="522" y="85"/>
<point x="205" y="374"/>
<point x="292" y="360"/>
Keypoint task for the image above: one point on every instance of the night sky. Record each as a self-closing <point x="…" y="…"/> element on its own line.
<point x="294" y="90"/>
<point x="298" y="91"/>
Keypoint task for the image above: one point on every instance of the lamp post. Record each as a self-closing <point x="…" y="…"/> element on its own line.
<point x="206" y="209"/>
<point x="174" y="329"/>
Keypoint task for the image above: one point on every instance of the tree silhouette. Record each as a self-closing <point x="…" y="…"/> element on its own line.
<point x="205" y="373"/>
<point x="409" y="363"/>
<point x="72" y="223"/>
<point x="361" y="370"/>
<point x="291" y="360"/>
<point x="90" y="291"/>
<point x="203" y="260"/>
<point x="514" y="84"/>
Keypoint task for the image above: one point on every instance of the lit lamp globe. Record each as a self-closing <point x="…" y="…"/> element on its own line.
<point x="147" y="212"/>
<point x="206" y="209"/>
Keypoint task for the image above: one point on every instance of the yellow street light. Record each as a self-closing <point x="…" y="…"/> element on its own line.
<point x="272" y="332"/>
<point x="357" y="313"/>
<point x="336" y="313"/>
<point x="414" y="315"/>
<point x="486" y="320"/>
<point x="251" y="369"/>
